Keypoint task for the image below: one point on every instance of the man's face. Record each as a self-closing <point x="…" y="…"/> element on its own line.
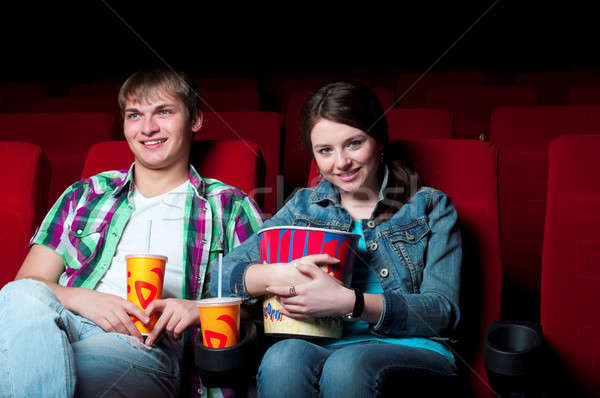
<point x="159" y="131"/>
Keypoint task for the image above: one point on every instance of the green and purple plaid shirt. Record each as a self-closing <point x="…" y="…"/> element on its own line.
<point x="86" y="223"/>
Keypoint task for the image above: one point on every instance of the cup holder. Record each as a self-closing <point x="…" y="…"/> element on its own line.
<point x="513" y="356"/>
<point x="223" y="367"/>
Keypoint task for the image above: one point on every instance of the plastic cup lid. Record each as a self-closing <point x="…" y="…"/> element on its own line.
<point x="146" y="255"/>
<point x="215" y="301"/>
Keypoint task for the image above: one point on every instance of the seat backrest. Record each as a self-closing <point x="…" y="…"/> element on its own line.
<point x="25" y="178"/>
<point x="414" y="124"/>
<point x="64" y="137"/>
<point x="522" y="134"/>
<point x="472" y="106"/>
<point x="570" y="272"/>
<point x="411" y="88"/>
<point x="16" y="95"/>
<point x="262" y="128"/>
<point x="295" y="158"/>
<point x="588" y="94"/>
<point x="234" y="162"/>
<point x="467" y="171"/>
<point x="230" y="100"/>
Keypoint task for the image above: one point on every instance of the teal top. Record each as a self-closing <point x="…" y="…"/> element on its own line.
<point x="364" y="279"/>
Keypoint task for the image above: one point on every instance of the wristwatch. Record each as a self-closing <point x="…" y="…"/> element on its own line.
<point x="359" y="305"/>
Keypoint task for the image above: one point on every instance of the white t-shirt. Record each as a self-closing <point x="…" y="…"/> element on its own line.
<point x="167" y="213"/>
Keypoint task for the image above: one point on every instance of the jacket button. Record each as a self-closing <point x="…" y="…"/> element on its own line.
<point x="384" y="272"/>
<point x="371" y="224"/>
<point x="373" y="246"/>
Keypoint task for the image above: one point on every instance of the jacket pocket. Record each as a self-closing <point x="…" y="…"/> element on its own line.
<point x="410" y="241"/>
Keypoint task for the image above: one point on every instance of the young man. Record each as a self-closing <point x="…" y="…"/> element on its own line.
<point x="65" y="326"/>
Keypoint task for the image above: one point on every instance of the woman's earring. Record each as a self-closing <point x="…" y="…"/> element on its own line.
<point x="381" y="157"/>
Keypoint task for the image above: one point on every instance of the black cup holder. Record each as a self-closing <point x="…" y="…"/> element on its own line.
<point x="513" y="356"/>
<point x="224" y="367"/>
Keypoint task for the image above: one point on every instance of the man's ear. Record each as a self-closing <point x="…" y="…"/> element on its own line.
<point x="197" y="122"/>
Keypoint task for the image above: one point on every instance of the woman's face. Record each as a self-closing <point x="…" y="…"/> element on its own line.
<point x="346" y="156"/>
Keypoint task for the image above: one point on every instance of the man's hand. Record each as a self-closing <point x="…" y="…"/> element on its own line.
<point x="112" y="313"/>
<point x="176" y="316"/>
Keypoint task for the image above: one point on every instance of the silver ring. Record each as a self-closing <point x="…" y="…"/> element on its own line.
<point x="292" y="291"/>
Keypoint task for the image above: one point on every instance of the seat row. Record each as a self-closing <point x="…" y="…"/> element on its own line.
<point x="465" y="169"/>
<point x="520" y="133"/>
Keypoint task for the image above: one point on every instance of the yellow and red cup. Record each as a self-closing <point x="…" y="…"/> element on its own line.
<point x="286" y="244"/>
<point x="220" y="321"/>
<point x="145" y="277"/>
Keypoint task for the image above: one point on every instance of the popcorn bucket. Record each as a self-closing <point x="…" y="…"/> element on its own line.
<point x="286" y="244"/>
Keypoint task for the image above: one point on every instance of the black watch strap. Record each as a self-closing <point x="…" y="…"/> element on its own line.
<point x="359" y="304"/>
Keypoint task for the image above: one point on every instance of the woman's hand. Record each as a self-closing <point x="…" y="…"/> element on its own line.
<point x="112" y="313"/>
<point x="176" y="316"/>
<point x="321" y="296"/>
<point x="260" y="276"/>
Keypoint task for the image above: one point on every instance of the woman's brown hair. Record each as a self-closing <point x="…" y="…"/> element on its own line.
<point x="354" y="104"/>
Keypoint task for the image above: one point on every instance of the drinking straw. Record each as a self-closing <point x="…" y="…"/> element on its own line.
<point x="220" y="274"/>
<point x="148" y="235"/>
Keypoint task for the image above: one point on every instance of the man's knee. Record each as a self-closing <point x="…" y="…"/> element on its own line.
<point x="27" y="294"/>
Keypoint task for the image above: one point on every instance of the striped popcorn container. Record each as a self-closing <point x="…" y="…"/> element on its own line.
<point x="286" y="244"/>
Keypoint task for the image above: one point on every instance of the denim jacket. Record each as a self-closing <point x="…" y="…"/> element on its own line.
<point x="416" y="256"/>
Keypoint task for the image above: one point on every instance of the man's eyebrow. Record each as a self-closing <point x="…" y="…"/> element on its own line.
<point x="131" y="110"/>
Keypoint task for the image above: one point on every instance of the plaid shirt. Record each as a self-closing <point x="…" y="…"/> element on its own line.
<point x="86" y="223"/>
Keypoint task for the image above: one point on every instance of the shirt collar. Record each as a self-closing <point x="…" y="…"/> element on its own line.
<point x="197" y="182"/>
<point x="325" y="190"/>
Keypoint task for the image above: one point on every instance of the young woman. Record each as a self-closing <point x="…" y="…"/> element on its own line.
<point x="405" y="286"/>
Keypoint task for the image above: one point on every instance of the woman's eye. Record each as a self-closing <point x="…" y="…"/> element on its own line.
<point x="355" y="143"/>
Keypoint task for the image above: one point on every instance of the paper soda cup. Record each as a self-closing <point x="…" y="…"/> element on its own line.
<point x="145" y="277"/>
<point x="220" y="321"/>
<point x="286" y="244"/>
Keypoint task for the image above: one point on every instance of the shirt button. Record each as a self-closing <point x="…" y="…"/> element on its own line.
<point x="105" y="266"/>
<point x="79" y="231"/>
<point x="130" y="207"/>
<point x="371" y="224"/>
<point x="373" y="246"/>
<point x="384" y="272"/>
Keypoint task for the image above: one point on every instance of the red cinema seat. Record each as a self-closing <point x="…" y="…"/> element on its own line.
<point x="295" y="158"/>
<point x="588" y="94"/>
<point x="570" y="267"/>
<point x="16" y="95"/>
<point x="553" y="87"/>
<point x="229" y="100"/>
<point x="104" y="87"/>
<point x="262" y="128"/>
<point x="64" y="137"/>
<point x="467" y="171"/>
<point x="228" y="94"/>
<point x="411" y="88"/>
<point x="472" y="106"/>
<point x="244" y="168"/>
<point x="25" y="178"/>
<point x="522" y="134"/>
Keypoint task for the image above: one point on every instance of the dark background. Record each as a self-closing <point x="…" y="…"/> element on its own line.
<point x="87" y="40"/>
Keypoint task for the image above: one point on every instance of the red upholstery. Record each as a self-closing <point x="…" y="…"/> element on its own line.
<point x="553" y="87"/>
<point x="571" y="259"/>
<point x="467" y="171"/>
<point x="25" y="178"/>
<point x="411" y="88"/>
<point x="585" y="95"/>
<point x="263" y="128"/>
<point x="233" y="162"/>
<point x="227" y="83"/>
<point x="16" y="95"/>
<point x="522" y="135"/>
<point x="472" y="106"/>
<point x="65" y="139"/>
<point x="105" y="87"/>
<point x="232" y="100"/>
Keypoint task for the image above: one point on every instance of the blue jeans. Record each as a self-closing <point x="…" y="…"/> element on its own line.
<point x="297" y="368"/>
<point x="48" y="351"/>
